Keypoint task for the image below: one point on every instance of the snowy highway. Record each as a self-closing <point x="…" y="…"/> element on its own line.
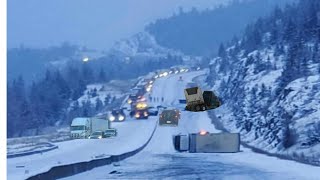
<point x="159" y="160"/>
<point x="131" y="135"/>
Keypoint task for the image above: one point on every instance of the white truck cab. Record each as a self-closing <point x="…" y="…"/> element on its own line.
<point x="79" y="127"/>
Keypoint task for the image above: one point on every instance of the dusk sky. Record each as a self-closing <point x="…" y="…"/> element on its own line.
<point x="95" y="24"/>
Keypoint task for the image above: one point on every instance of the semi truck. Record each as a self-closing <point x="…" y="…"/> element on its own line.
<point x="200" y="101"/>
<point x="204" y="142"/>
<point x="83" y="127"/>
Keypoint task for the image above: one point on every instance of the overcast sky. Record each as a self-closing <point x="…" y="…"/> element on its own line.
<point x="93" y="23"/>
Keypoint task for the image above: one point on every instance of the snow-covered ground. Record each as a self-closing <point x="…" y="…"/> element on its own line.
<point x="115" y="89"/>
<point x="131" y="135"/>
<point x="281" y="120"/>
<point x="159" y="160"/>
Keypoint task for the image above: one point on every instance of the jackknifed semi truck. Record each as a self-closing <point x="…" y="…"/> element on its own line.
<point x="200" y="101"/>
<point x="204" y="142"/>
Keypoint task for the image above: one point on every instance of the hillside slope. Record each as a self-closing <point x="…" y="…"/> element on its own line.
<point x="269" y="82"/>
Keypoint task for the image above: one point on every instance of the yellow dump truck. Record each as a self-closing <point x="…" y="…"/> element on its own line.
<point x="198" y="101"/>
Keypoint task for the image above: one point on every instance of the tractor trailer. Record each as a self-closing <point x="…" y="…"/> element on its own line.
<point x="83" y="127"/>
<point x="207" y="142"/>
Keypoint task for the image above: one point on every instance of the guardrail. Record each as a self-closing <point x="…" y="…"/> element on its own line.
<point x="26" y="153"/>
<point x="72" y="169"/>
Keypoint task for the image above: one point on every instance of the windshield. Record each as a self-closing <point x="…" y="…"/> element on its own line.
<point x="77" y="128"/>
<point x="116" y="112"/>
<point x="137" y="73"/>
<point x="97" y="133"/>
<point x="192" y="91"/>
<point x="110" y="131"/>
<point x="169" y="114"/>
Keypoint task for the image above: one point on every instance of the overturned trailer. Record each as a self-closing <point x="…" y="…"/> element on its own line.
<point x="208" y="143"/>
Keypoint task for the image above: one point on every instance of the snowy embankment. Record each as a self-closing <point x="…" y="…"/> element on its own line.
<point x="131" y="135"/>
<point x="287" y="124"/>
<point x="35" y="144"/>
<point x="113" y="91"/>
<point x="107" y="93"/>
<point x="159" y="160"/>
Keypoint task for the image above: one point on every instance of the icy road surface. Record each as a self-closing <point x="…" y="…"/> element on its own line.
<point x="132" y="134"/>
<point x="159" y="160"/>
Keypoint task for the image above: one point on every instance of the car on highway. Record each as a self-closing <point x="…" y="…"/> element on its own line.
<point x="132" y="98"/>
<point x="160" y="107"/>
<point x="117" y="115"/>
<point x="169" y="117"/>
<point x="153" y="111"/>
<point x="97" y="135"/>
<point x="110" y="132"/>
<point x="141" y="114"/>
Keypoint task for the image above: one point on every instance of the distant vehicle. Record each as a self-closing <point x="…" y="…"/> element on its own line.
<point x="141" y="99"/>
<point x="141" y="114"/>
<point x="153" y="111"/>
<point x="117" y="115"/>
<point x="169" y="117"/>
<point x="97" y="135"/>
<point x="141" y="90"/>
<point x="110" y="132"/>
<point x="132" y="98"/>
<point x="205" y="142"/>
<point x="161" y="107"/>
<point x="83" y="127"/>
<point x="141" y="110"/>
<point x="198" y="101"/>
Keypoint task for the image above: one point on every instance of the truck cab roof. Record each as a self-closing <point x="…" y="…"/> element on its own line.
<point x="79" y="121"/>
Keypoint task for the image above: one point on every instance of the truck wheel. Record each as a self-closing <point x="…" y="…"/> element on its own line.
<point x="198" y="108"/>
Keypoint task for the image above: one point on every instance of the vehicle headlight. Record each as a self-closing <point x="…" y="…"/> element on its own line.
<point x="100" y="137"/>
<point x="145" y="114"/>
<point x="121" y="118"/>
<point x="137" y="115"/>
<point x="129" y="101"/>
<point x="112" y="118"/>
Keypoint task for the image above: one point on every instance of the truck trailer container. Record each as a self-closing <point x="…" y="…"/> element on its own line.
<point x="208" y="143"/>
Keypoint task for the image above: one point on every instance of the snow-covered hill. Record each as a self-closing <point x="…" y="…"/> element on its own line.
<point x="269" y="82"/>
<point x="140" y="44"/>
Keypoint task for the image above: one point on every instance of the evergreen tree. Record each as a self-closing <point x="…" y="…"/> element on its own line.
<point x="99" y="105"/>
<point x="107" y="100"/>
<point x="102" y="76"/>
<point x="222" y="51"/>
<point x="304" y="67"/>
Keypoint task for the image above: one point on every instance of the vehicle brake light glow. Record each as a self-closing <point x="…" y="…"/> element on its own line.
<point x="203" y="132"/>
